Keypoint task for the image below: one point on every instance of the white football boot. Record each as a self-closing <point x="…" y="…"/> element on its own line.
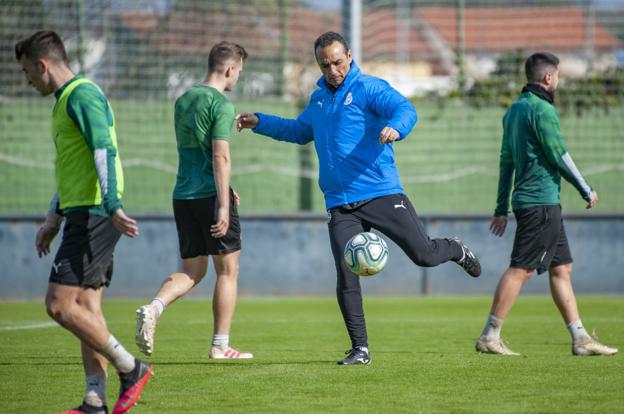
<point x="589" y="346"/>
<point x="228" y="353"/>
<point x="145" y="328"/>
<point x="493" y="346"/>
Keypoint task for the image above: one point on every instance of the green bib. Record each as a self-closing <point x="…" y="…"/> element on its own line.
<point x="76" y="177"/>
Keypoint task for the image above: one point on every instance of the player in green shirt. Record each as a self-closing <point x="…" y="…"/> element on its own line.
<point x="534" y="156"/>
<point x="89" y="184"/>
<point x="204" y="205"/>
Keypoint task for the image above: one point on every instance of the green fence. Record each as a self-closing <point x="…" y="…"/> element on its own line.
<point x="460" y="63"/>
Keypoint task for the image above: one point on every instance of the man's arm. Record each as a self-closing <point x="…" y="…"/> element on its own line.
<point x="222" y="169"/>
<point x="505" y="180"/>
<point x="216" y="146"/>
<point x="553" y="145"/>
<point x="389" y="103"/>
<point x="505" y="183"/>
<point x="89" y="110"/>
<point x="297" y="131"/>
<point x="50" y="228"/>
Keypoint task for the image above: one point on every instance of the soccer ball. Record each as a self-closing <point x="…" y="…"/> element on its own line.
<point x="366" y="254"/>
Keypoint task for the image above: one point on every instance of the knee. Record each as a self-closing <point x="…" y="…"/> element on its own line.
<point x="424" y="260"/>
<point x="561" y="272"/>
<point x="56" y="310"/>
<point x="229" y="274"/>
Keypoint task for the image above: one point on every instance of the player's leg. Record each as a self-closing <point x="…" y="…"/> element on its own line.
<point x="224" y="305"/>
<point x="560" y="278"/>
<point x="175" y="286"/>
<point x="78" y="310"/>
<point x="343" y="225"/>
<point x="82" y="267"/>
<point x="507" y="291"/>
<point x="192" y="245"/>
<point x="178" y="284"/>
<point x="95" y="365"/>
<point x="534" y="245"/>
<point x="395" y="216"/>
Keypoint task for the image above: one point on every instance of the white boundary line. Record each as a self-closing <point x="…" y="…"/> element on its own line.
<point x="33" y="325"/>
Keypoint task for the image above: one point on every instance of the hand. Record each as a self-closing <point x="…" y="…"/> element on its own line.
<point x="246" y="120"/>
<point x="46" y="233"/>
<point x="220" y="228"/>
<point x="124" y="224"/>
<point x="236" y="198"/>
<point x="388" y="135"/>
<point x="593" y="200"/>
<point x="498" y="225"/>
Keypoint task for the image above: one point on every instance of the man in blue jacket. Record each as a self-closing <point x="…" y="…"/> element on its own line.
<point x="353" y="119"/>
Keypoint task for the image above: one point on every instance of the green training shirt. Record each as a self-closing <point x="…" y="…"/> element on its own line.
<point x="202" y="115"/>
<point x="534" y="156"/>
<point x="88" y="168"/>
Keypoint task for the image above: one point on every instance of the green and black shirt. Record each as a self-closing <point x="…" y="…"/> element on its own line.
<point x="202" y="115"/>
<point x="534" y="156"/>
<point x="88" y="168"/>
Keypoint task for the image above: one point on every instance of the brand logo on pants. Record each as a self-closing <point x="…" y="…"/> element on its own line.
<point x="400" y="205"/>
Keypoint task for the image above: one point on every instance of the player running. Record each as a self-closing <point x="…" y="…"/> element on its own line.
<point x="534" y="156"/>
<point x="204" y="205"/>
<point x="89" y="185"/>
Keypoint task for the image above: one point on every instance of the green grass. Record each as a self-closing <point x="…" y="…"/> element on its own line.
<point x="449" y="163"/>
<point x="423" y="350"/>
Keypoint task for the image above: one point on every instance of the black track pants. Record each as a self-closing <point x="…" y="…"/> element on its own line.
<point x="395" y="217"/>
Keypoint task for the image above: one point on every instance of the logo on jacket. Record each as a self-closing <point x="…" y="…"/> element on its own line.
<point x="348" y="99"/>
<point x="319" y="103"/>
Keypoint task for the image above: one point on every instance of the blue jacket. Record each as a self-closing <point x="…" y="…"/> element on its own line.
<point x="345" y="127"/>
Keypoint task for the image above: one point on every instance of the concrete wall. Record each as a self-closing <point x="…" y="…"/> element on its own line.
<point x="290" y="255"/>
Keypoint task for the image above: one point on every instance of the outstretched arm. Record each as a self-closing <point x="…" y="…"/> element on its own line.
<point x="296" y="131"/>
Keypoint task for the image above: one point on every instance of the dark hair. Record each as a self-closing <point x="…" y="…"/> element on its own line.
<point x="328" y="38"/>
<point x="223" y="52"/>
<point x="538" y="64"/>
<point x="43" y="44"/>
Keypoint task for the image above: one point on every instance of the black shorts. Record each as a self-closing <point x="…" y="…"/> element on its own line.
<point x="85" y="257"/>
<point x="540" y="242"/>
<point x="193" y="220"/>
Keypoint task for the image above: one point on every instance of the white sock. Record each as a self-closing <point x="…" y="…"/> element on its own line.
<point x="493" y="327"/>
<point x="159" y="305"/>
<point x="117" y="355"/>
<point x="221" y="341"/>
<point x="577" y="330"/>
<point x="96" y="389"/>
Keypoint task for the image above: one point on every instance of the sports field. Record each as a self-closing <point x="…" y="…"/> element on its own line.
<point x="423" y="359"/>
<point x="449" y="163"/>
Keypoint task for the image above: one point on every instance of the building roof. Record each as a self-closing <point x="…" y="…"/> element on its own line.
<point x="497" y="29"/>
<point x="422" y="36"/>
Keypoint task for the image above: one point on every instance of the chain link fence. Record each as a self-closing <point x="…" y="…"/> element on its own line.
<point x="460" y="62"/>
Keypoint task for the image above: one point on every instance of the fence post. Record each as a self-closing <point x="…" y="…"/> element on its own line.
<point x="461" y="75"/>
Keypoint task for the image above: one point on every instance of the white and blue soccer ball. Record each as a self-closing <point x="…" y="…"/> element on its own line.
<point x="366" y="254"/>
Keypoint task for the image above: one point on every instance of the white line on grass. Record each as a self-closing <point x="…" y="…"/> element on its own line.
<point x="32" y="325"/>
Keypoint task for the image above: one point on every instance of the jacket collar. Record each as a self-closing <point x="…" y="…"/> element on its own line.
<point x="354" y="73"/>
<point x="540" y="92"/>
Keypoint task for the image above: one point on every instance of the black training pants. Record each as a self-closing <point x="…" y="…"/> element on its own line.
<point x="394" y="216"/>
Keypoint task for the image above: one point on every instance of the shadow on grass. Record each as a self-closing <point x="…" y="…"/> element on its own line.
<point x="239" y="363"/>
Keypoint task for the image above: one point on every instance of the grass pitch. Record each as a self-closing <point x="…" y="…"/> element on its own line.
<point x="449" y="163"/>
<point x="423" y="359"/>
